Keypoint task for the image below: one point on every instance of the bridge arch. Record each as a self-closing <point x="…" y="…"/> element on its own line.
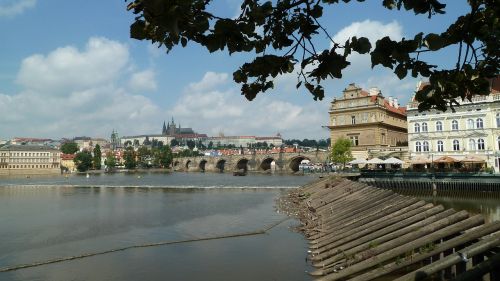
<point x="242" y="164"/>
<point x="220" y="165"/>
<point x="266" y="163"/>
<point x="175" y="164"/>
<point x="188" y="163"/>
<point x="295" y="162"/>
<point x="202" y="165"/>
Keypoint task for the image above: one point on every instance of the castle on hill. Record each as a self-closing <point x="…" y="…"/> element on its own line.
<point x="173" y="130"/>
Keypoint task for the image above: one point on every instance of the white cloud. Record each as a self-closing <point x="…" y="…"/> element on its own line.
<point x="70" y="93"/>
<point x="15" y="7"/>
<point x="373" y="30"/>
<point x="215" y="103"/>
<point x="67" y="69"/>
<point x="143" y="81"/>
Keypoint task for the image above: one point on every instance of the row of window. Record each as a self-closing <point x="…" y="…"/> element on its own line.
<point x="471" y="124"/>
<point x="27" y="154"/>
<point x="24" y="160"/>
<point x="27" y="167"/>
<point x="473" y="145"/>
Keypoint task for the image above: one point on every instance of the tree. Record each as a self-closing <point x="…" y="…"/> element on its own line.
<point x="128" y="143"/>
<point x="281" y="34"/>
<point x="129" y="158"/>
<point x="69" y="147"/>
<point x="110" y="161"/>
<point x="165" y="156"/>
<point x="190" y="144"/>
<point x="96" y="160"/>
<point x="83" y="161"/>
<point x="341" y="151"/>
<point x="143" y="156"/>
<point x="174" y="142"/>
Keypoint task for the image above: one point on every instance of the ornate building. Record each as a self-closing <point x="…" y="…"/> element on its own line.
<point x="470" y="134"/>
<point x="172" y="129"/>
<point x="29" y="160"/>
<point x="368" y="119"/>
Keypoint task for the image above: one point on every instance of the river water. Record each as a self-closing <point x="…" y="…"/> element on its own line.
<point x="43" y="218"/>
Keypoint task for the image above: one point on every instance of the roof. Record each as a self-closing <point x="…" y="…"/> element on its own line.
<point x="67" y="156"/>
<point x="17" y="139"/>
<point x="27" y="148"/>
<point x="190" y="135"/>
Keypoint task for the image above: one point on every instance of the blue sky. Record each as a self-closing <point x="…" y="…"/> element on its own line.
<point x="68" y="68"/>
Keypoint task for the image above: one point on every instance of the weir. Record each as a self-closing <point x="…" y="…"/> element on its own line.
<point x="359" y="232"/>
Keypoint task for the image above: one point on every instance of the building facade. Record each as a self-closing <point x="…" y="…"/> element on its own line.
<point x="29" y="160"/>
<point x="472" y="130"/>
<point x="368" y="119"/>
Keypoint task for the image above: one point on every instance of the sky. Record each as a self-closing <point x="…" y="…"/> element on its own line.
<point x="69" y="68"/>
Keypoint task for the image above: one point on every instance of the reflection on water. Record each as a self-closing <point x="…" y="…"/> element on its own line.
<point x="56" y="218"/>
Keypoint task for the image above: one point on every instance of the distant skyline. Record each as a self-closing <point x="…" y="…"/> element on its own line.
<point x="69" y="68"/>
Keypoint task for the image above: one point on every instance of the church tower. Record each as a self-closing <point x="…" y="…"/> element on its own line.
<point x="164" y="130"/>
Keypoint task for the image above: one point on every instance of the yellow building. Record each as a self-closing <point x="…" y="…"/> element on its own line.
<point x="368" y="119"/>
<point x="29" y="160"/>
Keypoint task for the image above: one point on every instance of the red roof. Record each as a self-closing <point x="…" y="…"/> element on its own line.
<point x="67" y="156"/>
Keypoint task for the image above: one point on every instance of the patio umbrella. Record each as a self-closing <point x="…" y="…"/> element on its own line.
<point x="394" y="161"/>
<point x="375" y="161"/>
<point x="472" y="159"/>
<point x="422" y="160"/>
<point x="358" y="162"/>
<point x="446" y="159"/>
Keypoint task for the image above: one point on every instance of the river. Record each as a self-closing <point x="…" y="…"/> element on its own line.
<point x="43" y="218"/>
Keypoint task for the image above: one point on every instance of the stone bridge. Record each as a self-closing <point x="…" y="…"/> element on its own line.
<point x="281" y="162"/>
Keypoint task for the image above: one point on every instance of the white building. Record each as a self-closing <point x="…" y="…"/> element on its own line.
<point x="29" y="160"/>
<point x="472" y="130"/>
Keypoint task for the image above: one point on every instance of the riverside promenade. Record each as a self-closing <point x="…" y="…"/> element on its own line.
<point x="359" y="232"/>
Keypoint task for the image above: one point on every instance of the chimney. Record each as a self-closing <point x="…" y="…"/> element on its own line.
<point x="391" y="101"/>
<point x="374" y="91"/>
<point x="395" y="101"/>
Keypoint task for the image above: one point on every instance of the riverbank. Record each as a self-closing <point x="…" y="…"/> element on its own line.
<point x="360" y="232"/>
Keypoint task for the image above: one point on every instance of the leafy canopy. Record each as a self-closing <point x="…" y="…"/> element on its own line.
<point x="280" y="33"/>
<point x="341" y="151"/>
<point x="69" y="147"/>
<point x="83" y="161"/>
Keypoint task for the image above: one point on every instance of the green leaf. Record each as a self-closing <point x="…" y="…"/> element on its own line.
<point x="137" y="30"/>
<point x="434" y="42"/>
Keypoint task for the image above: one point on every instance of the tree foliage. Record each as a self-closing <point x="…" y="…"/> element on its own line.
<point x="83" y="161"/>
<point x="110" y="161"/>
<point x="129" y="158"/>
<point x="69" y="147"/>
<point x="281" y="34"/>
<point x="164" y="156"/>
<point x="96" y="160"/>
<point x="341" y="151"/>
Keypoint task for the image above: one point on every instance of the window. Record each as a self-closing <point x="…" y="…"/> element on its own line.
<point x="498" y="142"/>
<point x="498" y="120"/>
<point x="472" y="144"/>
<point x="454" y="125"/>
<point x="479" y="123"/>
<point x="456" y="145"/>
<point x="417" y="128"/>
<point x="424" y="127"/>
<point x="439" y="126"/>
<point x="440" y="146"/>
<point x="470" y="124"/>
<point x="354" y="140"/>
<point x="418" y="146"/>
<point x="426" y="145"/>
<point x="480" y="144"/>
<point x="353" y="119"/>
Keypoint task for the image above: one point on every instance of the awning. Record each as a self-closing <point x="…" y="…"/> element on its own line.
<point x="394" y="161"/>
<point x="420" y="160"/>
<point x="375" y="161"/>
<point x="446" y="159"/>
<point x="358" y="162"/>
<point x="472" y="159"/>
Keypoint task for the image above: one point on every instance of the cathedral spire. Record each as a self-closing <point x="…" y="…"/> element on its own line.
<point x="164" y="130"/>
